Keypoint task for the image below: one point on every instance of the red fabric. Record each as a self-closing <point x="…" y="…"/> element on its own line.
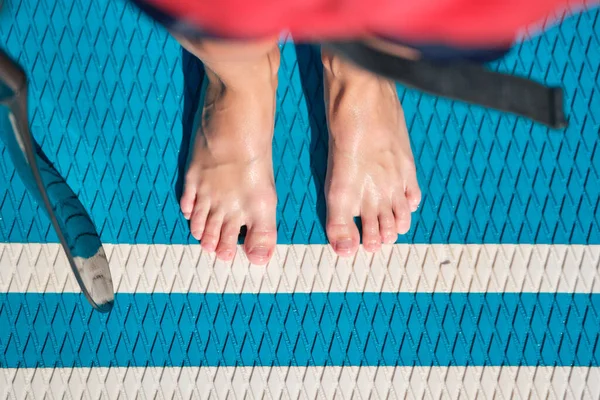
<point x="457" y="21"/>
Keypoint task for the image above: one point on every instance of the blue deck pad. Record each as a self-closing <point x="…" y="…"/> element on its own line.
<point x="112" y="101"/>
<point x="302" y="329"/>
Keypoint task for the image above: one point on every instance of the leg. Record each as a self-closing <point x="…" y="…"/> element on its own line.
<point x="230" y="182"/>
<point x="371" y="171"/>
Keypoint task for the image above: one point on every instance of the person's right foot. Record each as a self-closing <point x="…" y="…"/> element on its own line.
<point x="229" y="182"/>
<point x="371" y="172"/>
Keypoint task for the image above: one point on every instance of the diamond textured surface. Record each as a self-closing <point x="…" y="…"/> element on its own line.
<point x="296" y="329"/>
<point x="303" y="383"/>
<point x="43" y="268"/>
<point x="165" y="338"/>
<point x="491" y="305"/>
<point x="112" y="97"/>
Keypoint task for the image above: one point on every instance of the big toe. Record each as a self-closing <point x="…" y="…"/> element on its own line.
<point x="260" y="241"/>
<point x="342" y="232"/>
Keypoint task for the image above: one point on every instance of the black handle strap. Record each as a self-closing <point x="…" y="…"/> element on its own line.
<point x="463" y="81"/>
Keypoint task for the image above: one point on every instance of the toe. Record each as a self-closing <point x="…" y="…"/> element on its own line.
<point x="402" y="214"/>
<point x="413" y="194"/>
<point x="198" y="219"/>
<point x="228" y="240"/>
<point x="387" y="226"/>
<point x="260" y="241"/>
<point x="342" y="231"/>
<point x="212" y="232"/>
<point x="187" y="201"/>
<point x="371" y="238"/>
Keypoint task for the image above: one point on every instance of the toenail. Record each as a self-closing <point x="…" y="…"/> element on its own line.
<point x="343" y="245"/>
<point x="260" y="252"/>
<point x="227" y="254"/>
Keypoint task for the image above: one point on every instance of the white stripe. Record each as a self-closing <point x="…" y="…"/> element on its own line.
<point x="302" y="382"/>
<point x="315" y="268"/>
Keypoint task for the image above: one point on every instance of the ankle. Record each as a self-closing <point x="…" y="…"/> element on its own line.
<point x="241" y="76"/>
<point x="338" y="68"/>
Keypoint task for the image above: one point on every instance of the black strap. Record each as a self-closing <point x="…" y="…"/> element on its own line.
<point x="463" y="81"/>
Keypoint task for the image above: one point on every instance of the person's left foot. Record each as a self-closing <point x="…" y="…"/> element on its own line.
<point x="229" y="182"/>
<point x="371" y="172"/>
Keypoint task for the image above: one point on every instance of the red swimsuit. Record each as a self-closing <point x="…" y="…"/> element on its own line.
<point x="454" y="21"/>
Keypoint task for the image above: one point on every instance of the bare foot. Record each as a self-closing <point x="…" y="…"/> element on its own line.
<point x="371" y="170"/>
<point x="230" y="182"/>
